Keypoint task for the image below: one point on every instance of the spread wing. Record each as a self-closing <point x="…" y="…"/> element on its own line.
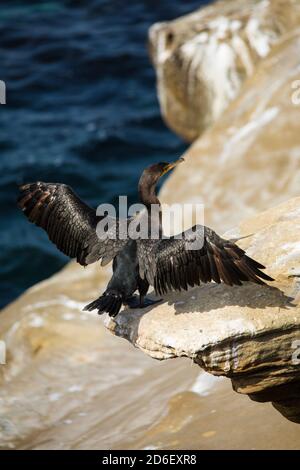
<point x="69" y="222"/>
<point x="200" y="255"/>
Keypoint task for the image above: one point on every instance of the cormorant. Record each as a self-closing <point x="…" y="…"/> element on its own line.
<point x="165" y="262"/>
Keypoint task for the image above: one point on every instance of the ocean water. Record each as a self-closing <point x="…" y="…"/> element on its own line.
<point x="81" y="109"/>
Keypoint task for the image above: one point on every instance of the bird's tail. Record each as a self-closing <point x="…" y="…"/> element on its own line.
<point x="110" y="302"/>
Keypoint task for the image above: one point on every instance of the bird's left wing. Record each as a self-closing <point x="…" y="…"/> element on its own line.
<point x="200" y="255"/>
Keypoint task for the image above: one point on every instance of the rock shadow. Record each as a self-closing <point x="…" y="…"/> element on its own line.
<point x="212" y="296"/>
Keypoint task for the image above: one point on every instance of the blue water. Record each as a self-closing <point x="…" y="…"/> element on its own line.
<point x="81" y="109"/>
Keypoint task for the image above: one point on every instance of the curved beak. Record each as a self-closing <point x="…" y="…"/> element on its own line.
<point x="172" y="165"/>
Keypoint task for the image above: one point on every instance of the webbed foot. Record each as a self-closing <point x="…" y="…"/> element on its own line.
<point x="140" y="302"/>
<point x="133" y="301"/>
<point x="146" y="302"/>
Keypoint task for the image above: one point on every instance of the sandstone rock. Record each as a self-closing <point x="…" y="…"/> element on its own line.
<point x="68" y="383"/>
<point x="65" y="376"/>
<point x="250" y="159"/>
<point x="251" y="333"/>
<point x="203" y="59"/>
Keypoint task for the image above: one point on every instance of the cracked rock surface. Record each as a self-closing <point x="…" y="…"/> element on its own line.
<point x="203" y="59"/>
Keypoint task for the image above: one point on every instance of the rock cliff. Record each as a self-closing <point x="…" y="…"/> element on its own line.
<point x="249" y="159"/>
<point x="251" y="333"/>
<point x="233" y="70"/>
<point x="203" y="59"/>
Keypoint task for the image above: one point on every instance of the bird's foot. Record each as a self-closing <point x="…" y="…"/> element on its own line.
<point x="138" y="302"/>
<point x="146" y="302"/>
<point x="132" y="302"/>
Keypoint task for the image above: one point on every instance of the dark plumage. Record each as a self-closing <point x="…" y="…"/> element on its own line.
<point x="166" y="263"/>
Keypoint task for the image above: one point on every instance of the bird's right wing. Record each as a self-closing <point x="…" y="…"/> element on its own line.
<point x="70" y="223"/>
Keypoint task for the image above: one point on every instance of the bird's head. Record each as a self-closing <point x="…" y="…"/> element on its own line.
<point x="156" y="171"/>
<point x="152" y="174"/>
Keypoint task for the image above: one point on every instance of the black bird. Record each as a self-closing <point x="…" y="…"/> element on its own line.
<point x="166" y="263"/>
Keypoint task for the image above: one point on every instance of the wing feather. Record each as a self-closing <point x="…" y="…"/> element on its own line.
<point x="69" y="222"/>
<point x="170" y="264"/>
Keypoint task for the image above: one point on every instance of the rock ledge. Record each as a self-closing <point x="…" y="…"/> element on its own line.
<point x="250" y="334"/>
